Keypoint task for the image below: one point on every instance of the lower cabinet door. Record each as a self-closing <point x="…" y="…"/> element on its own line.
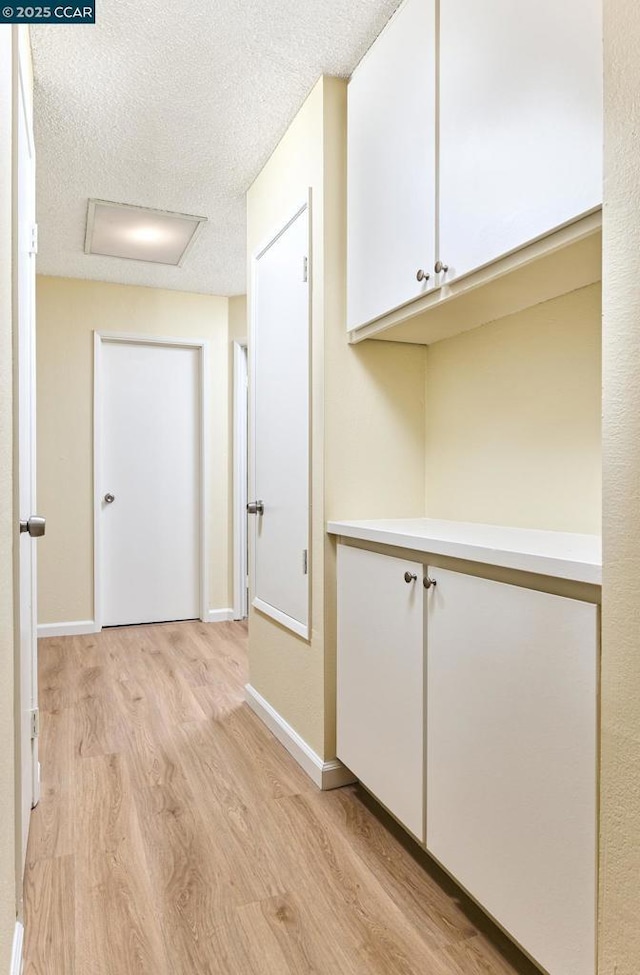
<point x="511" y="760"/>
<point x="380" y="679"/>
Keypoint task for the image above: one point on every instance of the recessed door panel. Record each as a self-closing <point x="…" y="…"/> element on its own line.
<point x="280" y="355"/>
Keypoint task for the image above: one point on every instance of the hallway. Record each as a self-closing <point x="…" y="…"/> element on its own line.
<point x="175" y="836"/>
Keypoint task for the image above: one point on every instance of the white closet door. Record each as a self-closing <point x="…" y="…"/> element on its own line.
<point x="520" y="123"/>
<point x="150" y="479"/>
<point x="380" y="679"/>
<point x="512" y="759"/>
<point x="25" y="280"/>
<point x="391" y="166"/>
<point x="280" y="382"/>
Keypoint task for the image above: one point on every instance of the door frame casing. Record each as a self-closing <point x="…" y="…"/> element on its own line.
<point x="129" y="338"/>
<point x="240" y="479"/>
<point x="286" y="621"/>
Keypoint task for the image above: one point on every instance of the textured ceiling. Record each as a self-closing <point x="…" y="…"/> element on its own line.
<point x="177" y="106"/>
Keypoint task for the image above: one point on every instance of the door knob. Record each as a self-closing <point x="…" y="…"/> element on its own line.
<point x="35" y="526"/>
<point x="422" y="276"/>
<point x="109" y="498"/>
<point x="255" y="508"/>
<point x="428" y="583"/>
<point x="441" y="268"/>
<point x="409" y="577"/>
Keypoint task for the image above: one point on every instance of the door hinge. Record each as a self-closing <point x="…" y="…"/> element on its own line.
<point x="33" y="244"/>
<point x="35" y="723"/>
<point x="305" y="269"/>
<point x="305" y="561"/>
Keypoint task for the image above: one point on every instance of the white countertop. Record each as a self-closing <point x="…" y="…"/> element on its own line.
<point x="562" y="555"/>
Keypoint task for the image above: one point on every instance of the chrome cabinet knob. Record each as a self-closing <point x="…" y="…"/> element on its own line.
<point x="428" y="583"/>
<point x="409" y="577"/>
<point x="109" y="498"/>
<point x="441" y="268"/>
<point x="422" y="276"/>
<point x="35" y="526"/>
<point x="255" y="508"/>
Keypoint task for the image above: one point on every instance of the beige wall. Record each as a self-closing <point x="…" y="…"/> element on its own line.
<point x="514" y="419"/>
<point x="7" y="523"/>
<point x="67" y="313"/>
<point x="367" y="411"/>
<point x="620" y="785"/>
<point x="238" y="318"/>
<point x="286" y="670"/>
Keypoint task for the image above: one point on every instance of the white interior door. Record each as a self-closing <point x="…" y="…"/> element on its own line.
<point x="280" y="351"/>
<point x="25" y="269"/>
<point x="149" y="481"/>
<point x="520" y="123"/>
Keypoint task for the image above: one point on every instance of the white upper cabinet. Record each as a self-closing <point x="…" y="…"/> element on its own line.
<point x="520" y="147"/>
<point x="391" y="166"/>
<point x="474" y="143"/>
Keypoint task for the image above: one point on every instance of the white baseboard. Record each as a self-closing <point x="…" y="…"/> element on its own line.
<point x="74" y="628"/>
<point x="82" y="627"/>
<point x="16" y="952"/>
<point x="219" y="616"/>
<point x="326" y="775"/>
<point x="335" y="775"/>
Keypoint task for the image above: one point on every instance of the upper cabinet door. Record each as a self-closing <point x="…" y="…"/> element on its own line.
<point x="391" y="166"/>
<point x="520" y="123"/>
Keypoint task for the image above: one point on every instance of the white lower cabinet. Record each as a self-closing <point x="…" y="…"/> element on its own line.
<point x="511" y="760"/>
<point x="380" y="679"/>
<point x="510" y="726"/>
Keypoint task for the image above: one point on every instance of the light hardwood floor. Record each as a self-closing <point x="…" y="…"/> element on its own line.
<point x="175" y="835"/>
